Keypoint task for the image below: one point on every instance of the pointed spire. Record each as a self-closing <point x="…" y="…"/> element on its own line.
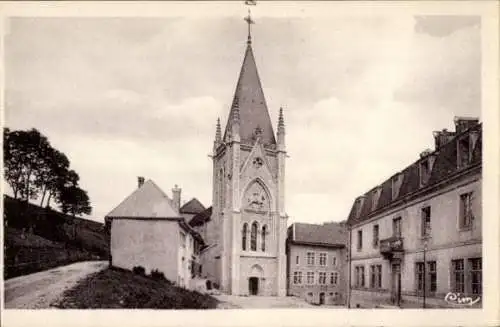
<point x="281" y="121"/>
<point x="218" y="133"/>
<point x="281" y="131"/>
<point x="236" y="113"/>
<point x="249" y="106"/>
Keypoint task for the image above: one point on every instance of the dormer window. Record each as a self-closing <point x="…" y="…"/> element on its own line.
<point x="396" y="185"/>
<point x="464" y="151"/>
<point x="425" y="167"/>
<point x="376" y="197"/>
<point x="359" y="205"/>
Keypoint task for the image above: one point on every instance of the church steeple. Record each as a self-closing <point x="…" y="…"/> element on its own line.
<point x="250" y="102"/>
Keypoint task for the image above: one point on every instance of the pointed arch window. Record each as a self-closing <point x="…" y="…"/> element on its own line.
<point x="221" y="189"/>
<point x="253" y="237"/>
<point x="244" y="237"/>
<point x="264" y="233"/>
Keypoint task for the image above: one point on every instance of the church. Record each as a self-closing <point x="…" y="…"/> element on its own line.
<point x="246" y="232"/>
<point x="239" y="243"/>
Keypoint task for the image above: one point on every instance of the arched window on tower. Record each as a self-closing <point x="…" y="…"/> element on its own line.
<point x="264" y="232"/>
<point x="244" y="237"/>
<point x="221" y="189"/>
<point x="253" y="237"/>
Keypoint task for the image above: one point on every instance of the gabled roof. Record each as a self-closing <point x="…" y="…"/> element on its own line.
<point x="193" y="206"/>
<point x="148" y="201"/>
<point x="201" y="218"/>
<point x="444" y="167"/>
<point x="327" y="234"/>
<point x="249" y="98"/>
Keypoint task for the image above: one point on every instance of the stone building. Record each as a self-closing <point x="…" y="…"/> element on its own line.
<point x="147" y="230"/>
<point x="317" y="262"/>
<point x="246" y="232"/>
<point x="417" y="236"/>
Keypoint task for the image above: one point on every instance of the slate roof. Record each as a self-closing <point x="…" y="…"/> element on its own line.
<point x="193" y="206"/>
<point x="327" y="234"/>
<point x="147" y="201"/>
<point x="249" y="98"/>
<point x="445" y="166"/>
<point x="201" y="218"/>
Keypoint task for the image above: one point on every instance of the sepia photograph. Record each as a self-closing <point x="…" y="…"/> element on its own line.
<point x="247" y="155"/>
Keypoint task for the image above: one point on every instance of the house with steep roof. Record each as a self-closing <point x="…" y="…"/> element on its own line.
<point x="417" y="237"/>
<point x="191" y="209"/>
<point x="317" y="262"/>
<point x="147" y="230"/>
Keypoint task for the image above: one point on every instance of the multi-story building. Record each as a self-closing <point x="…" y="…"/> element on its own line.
<point x="416" y="238"/>
<point x="316" y="262"/>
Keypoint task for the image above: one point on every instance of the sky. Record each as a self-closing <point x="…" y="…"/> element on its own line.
<point x="140" y="96"/>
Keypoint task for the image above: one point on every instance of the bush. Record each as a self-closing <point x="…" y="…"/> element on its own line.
<point x="157" y="275"/>
<point x="139" y="270"/>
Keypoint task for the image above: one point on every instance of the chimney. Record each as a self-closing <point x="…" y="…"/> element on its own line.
<point x="464" y="123"/>
<point x="140" y="181"/>
<point x="176" y="197"/>
<point x="442" y="137"/>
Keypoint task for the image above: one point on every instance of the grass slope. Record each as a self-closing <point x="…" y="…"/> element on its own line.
<point x="37" y="238"/>
<point x="114" y="288"/>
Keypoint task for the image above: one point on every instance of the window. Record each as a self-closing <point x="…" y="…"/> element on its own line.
<point x="379" y="276"/>
<point x="297" y="260"/>
<point x="183" y="240"/>
<point x="253" y="237"/>
<point x="310" y="277"/>
<point x="310" y="258"/>
<point x="376" y="276"/>
<point x="322" y="259"/>
<point x="475" y="265"/>
<point x="375" y="236"/>
<point x="431" y="268"/>
<point x="244" y="233"/>
<point x="334" y="260"/>
<point x="221" y="189"/>
<point x="426" y="221"/>
<point x="420" y="276"/>
<point x="360" y="276"/>
<point x="425" y="170"/>
<point x="264" y="233"/>
<point x="466" y="210"/>
<point x="322" y="278"/>
<point x="297" y="277"/>
<point x="457" y="267"/>
<point x="396" y="227"/>
<point x="360" y="239"/>
<point x="464" y="152"/>
<point x="334" y="278"/>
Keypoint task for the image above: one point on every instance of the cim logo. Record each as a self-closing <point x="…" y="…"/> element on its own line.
<point x="460" y="299"/>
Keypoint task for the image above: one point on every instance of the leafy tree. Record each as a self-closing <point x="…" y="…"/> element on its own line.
<point x="75" y="201"/>
<point x="23" y="153"/>
<point x="33" y="168"/>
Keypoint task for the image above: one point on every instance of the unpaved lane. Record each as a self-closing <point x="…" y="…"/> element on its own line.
<point x="41" y="289"/>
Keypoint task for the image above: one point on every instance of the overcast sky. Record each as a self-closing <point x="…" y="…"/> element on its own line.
<point x="128" y="97"/>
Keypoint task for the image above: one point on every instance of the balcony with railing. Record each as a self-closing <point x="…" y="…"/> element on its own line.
<point x="391" y="246"/>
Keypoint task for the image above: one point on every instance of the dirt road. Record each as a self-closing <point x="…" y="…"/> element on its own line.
<point x="40" y="290"/>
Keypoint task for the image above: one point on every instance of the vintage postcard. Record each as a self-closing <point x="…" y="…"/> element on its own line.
<point x="250" y="163"/>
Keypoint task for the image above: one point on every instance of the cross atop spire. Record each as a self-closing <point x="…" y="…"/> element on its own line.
<point x="249" y="21"/>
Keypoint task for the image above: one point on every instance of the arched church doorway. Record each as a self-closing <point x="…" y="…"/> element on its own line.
<point x="255" y="280"/>
<point x="253" y="285"/>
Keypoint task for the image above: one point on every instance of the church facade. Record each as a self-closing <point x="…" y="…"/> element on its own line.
<point x="246" y="232"/>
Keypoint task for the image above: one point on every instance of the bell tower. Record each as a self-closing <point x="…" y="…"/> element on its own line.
<point x="249" y="222"/>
